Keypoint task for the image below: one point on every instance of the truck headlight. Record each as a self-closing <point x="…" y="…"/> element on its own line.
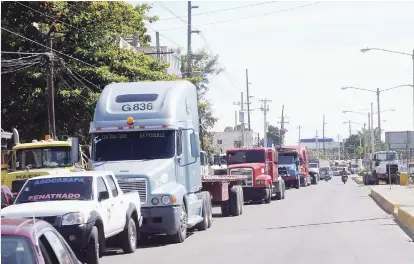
<point x="262" y="170"/>
<point x="76" y="218"/>
<point x="165" y="199"/>
<point x="155" y="201"/>
<point x="260" y="182"/>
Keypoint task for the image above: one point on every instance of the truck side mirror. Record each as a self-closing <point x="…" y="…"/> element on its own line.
<point x="75" y="150"/>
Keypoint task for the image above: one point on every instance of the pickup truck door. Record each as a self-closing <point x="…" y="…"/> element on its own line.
<point x="105" y="206"/>
<point x="118" y="205"/>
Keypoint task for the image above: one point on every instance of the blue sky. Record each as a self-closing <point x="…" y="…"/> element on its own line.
<point x="301" y="58"/>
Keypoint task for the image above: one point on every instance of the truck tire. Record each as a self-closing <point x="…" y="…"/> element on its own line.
<point x="241" y="199"/>
<point x="283" y="190"/>
<point x="210" y="210"/>
<point x="279" y="191"/>
<point x="181" y="234"/>
<point x="269" y="195"/>
<point x="203" y="225"/>
<point x="297" y="184"/>
<point x="225" y="210"/>
<point x="129" y="237"/>
<point x="92" y="250"/>
<point x="234" y="201"/>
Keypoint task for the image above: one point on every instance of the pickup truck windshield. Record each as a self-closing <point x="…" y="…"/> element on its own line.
<point x="238" y="157"/>
<point x="136" y="145"/>
<point x="15" y="248"/>
<point x="286" y="160"/>
<point x="313" y="165"/>
<point x="36" y="158"/>
<point x="56" y="189"/>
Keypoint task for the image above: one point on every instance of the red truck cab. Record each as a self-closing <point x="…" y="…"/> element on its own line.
<point x="260" y="165"/>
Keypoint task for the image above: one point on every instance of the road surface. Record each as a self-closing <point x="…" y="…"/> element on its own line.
<point x="325" y="223"/>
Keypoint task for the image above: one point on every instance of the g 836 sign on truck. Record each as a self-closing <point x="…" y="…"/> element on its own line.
<point x="137" y="107"/>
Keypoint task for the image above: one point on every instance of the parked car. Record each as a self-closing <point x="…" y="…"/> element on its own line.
<point x="7" y="197"/>
<point x="87" y="208"/>
<point x="33" y="241"/>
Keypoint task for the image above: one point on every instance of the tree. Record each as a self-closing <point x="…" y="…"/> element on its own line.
<point x="273" y="134"/>
<point x="228" y="129"/>
<point x="89" y="32"/>
<point x="351" y="144"/>
<point x="203" y="65"/>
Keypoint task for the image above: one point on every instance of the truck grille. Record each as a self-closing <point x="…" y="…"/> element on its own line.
<point x="134" y="185"/>
<point x="282" y="171"/>
<point x="244" y="171"/>
<point x="391" y="168"/>
<point x="220" y="172"/>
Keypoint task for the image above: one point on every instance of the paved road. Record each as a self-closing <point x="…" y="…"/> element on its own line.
<point x="327" y="223"/>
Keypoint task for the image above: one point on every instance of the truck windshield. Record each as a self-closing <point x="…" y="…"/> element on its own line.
<point x="56" y="189"/>
<point x="386" y="156"/>
<point x="16" y="247"/>
<point x="238" y="157"/>
<point x="313" y="165"/>
<point x="136" y="145"/>
<point x="286" y="160"/>
<point x="37" y="158"/>
<point x="220" y="159"/>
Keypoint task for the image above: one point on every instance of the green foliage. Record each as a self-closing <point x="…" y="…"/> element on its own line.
<point x="203" y="64"/>
<point x="273" y="134"/>
<point x="87" y="30"/>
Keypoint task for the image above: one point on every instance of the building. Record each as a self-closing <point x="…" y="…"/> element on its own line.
<point x="332" y="147"/>
<point x="168" y="56"/>
<point x="222" y="141"/>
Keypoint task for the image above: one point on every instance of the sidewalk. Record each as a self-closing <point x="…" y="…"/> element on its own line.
<point x="399" y="201"/>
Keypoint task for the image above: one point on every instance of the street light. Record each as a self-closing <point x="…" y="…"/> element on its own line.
<point x="378" y="91"/>
<point x="401" y="53"/>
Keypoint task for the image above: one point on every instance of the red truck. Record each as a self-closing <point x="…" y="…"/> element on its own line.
<point x="300" y="157"/>
<point x="260" y="165"/>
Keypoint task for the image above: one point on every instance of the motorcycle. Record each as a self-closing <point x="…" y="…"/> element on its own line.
<point x="327" y="177"/>
<point x="344" y="178"/>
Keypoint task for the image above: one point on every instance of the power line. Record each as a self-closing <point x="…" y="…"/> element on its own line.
<point x="21" y="52"/>
<point x="162" y="35"/>
<point x="59" y="52"/>
<point x="248" y="17"/>
<point x="221" y="10"/>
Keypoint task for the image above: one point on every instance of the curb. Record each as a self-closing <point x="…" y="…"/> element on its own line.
<point x="403" y="215"/>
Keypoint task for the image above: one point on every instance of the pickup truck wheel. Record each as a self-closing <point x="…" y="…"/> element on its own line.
<point x="234" y="201"/>
<point x="129" y="237"/>
<point x="92" y="250"/>
<point x="181" y="234"/>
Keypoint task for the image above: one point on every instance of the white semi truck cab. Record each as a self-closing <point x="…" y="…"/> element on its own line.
<point x="147" y="133"/>
<point x="387" y="165"/>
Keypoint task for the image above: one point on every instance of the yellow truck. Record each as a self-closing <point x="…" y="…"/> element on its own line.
<point x="42" y="157"/>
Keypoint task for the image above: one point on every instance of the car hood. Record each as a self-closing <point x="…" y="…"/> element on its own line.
<point x="48" y="208"/>
<point x="141" y="167"/>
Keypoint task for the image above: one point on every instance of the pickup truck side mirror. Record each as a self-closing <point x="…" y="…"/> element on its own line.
<point x="103" y="196"/>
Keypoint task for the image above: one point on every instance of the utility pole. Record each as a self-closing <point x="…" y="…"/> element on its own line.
<point x="339" y="149"/>
<point x="157" y="39"/>
<point x="372" y="129"/>
<point x="248" y="99"/>
<point x="51" y="91"/>
<point x="350" y="130"/>
<point x="241" y="117"/>
<point x="317" y="143"/>
<point x="235" y="120"/>
<point x="265" y="108"/>
<point x="282" y="126"/>
<point x="190" y="31"/>
<point x="299" y="127"/>
<point x="379" y="120"/>
<point x="323" y="135"/>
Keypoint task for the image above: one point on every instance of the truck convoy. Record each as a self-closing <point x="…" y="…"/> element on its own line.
<point x="260" y="165"/>
<point x="316" y="167"/>
<point x="301" y="159"/>
<point x="37" y="158"/>
<point x="147" y="133"/>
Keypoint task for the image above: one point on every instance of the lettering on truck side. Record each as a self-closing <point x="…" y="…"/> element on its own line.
<point x="137" y="107"/>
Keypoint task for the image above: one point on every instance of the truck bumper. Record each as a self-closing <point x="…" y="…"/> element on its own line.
<point x="251" y="193"/>
<point x="77" y="236"/>
<point x="160" y="220"/>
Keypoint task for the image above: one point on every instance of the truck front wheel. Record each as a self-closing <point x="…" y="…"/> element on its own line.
<point x="181" y="234"/>
<point x="235" y="200"/>
<point x="269" y="195"/>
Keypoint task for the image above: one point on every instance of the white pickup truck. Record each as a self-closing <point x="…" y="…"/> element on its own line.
<point x="87" y="208"/>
